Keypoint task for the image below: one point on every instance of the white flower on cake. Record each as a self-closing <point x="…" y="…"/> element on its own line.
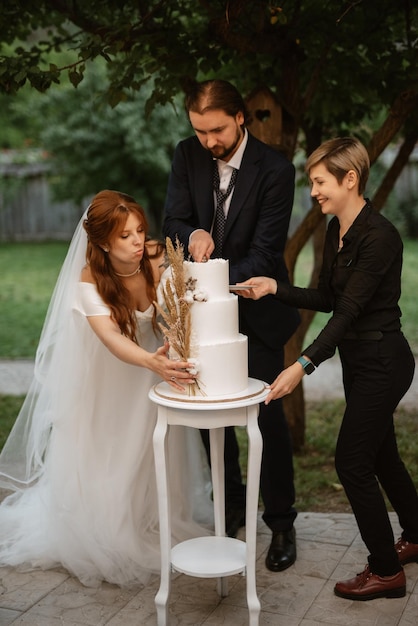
<point x="193" y="293"/>
<point x="193" y="370"/>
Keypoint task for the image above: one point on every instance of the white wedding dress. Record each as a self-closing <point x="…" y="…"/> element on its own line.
<point x="87" y="497"/>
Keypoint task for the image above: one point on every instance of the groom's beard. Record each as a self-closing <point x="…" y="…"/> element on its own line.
<point x="222" y="152"/>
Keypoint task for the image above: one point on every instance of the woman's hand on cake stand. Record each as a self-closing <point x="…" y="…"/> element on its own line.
<point x="258" y="287"/>
<point x="201" y="245"/>
<point x="285" y="382"/>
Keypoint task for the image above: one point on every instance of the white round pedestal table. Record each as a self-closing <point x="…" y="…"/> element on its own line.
<point x="210" y="556"/>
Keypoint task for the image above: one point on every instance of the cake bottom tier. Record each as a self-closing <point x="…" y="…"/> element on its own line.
<point x="223" y="367"/>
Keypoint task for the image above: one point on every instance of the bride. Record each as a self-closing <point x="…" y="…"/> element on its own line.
<point x="79" y="459"/>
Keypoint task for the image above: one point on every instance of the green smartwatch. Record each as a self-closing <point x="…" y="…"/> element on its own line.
<point x="308" y="366"/>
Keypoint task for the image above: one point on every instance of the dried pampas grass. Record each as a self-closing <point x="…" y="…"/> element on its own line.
<point x="176" y="314"/>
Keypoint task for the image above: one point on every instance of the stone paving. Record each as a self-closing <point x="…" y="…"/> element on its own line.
<point x="329" y="549"/>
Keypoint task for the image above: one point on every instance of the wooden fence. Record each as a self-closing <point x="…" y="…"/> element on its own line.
<point x="27" y="210"/>
<point x="29" y="213"/>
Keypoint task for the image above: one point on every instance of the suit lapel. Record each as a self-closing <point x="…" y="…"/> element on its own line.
<point x="204" y="188"/>
<point x="247" y="174"/>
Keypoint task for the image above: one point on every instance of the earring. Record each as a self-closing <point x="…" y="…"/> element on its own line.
<point x="105" y="249"/>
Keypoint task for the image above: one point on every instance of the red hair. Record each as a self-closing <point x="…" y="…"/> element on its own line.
<point x="106" y="216"/>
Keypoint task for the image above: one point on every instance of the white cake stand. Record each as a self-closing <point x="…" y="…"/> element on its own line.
<point x="215" y="556"/>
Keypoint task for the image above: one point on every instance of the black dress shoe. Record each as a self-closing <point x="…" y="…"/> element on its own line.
<point x="282" y="551"/>
<point x="234" y="520"/>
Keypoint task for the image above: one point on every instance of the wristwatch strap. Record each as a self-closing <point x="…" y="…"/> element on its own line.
<point x="308" y="366"/>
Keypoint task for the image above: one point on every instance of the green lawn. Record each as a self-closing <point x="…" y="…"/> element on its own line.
<point x="316" y="482"/>
<point x="28" y="272"/>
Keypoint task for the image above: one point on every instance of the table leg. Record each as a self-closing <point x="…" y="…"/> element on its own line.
<point x="255" y="447"/>
<point x="217" y="442"/>
<point x="161" y="471"/>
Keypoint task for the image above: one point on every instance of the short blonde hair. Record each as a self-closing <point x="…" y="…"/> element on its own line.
<point x="340" y="155"/>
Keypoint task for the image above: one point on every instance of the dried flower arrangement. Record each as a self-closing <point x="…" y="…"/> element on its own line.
<point x="179" y="295"/>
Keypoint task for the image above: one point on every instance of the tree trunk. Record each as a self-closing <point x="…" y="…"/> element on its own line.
<point x="395" y="170"/>
<point x="404" y="106"/>
<point x="294" y="404"/>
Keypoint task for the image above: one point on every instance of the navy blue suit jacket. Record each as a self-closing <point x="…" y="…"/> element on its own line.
<point x="256" y="226"/>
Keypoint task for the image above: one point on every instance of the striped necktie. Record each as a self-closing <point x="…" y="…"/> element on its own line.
<point x="220" y="219"/>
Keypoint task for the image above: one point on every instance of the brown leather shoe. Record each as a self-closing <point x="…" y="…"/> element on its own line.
<point x="407" y="552"/>
<point x="368" y="586"/>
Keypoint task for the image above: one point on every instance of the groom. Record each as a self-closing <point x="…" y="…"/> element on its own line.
<point x="228" y="189"/>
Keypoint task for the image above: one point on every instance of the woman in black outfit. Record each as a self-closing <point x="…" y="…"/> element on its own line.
<point x="360" y="282"/>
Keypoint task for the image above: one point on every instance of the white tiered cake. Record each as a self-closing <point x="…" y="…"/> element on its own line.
<point x="217" y="345"/>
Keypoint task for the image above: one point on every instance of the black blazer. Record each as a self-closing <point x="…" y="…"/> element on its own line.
<point x="255" y="230"/>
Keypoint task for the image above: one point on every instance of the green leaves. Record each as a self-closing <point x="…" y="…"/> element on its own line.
<point x="355" y="61"/>
<point x="75" y="76"/>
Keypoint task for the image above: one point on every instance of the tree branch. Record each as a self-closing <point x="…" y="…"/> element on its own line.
<point x="405" y="104"/>
<point x="395" y="170"/>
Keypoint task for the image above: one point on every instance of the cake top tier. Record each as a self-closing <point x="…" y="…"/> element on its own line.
<point x="211" y="277"/>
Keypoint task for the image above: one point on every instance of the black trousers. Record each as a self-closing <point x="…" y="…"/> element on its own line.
<point x="376" y="375"/>
<point x="276" y="480"/>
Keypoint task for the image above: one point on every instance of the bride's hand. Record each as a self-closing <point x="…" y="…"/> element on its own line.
<point x="173" y="372"/>
<point x="259" y="286"/>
